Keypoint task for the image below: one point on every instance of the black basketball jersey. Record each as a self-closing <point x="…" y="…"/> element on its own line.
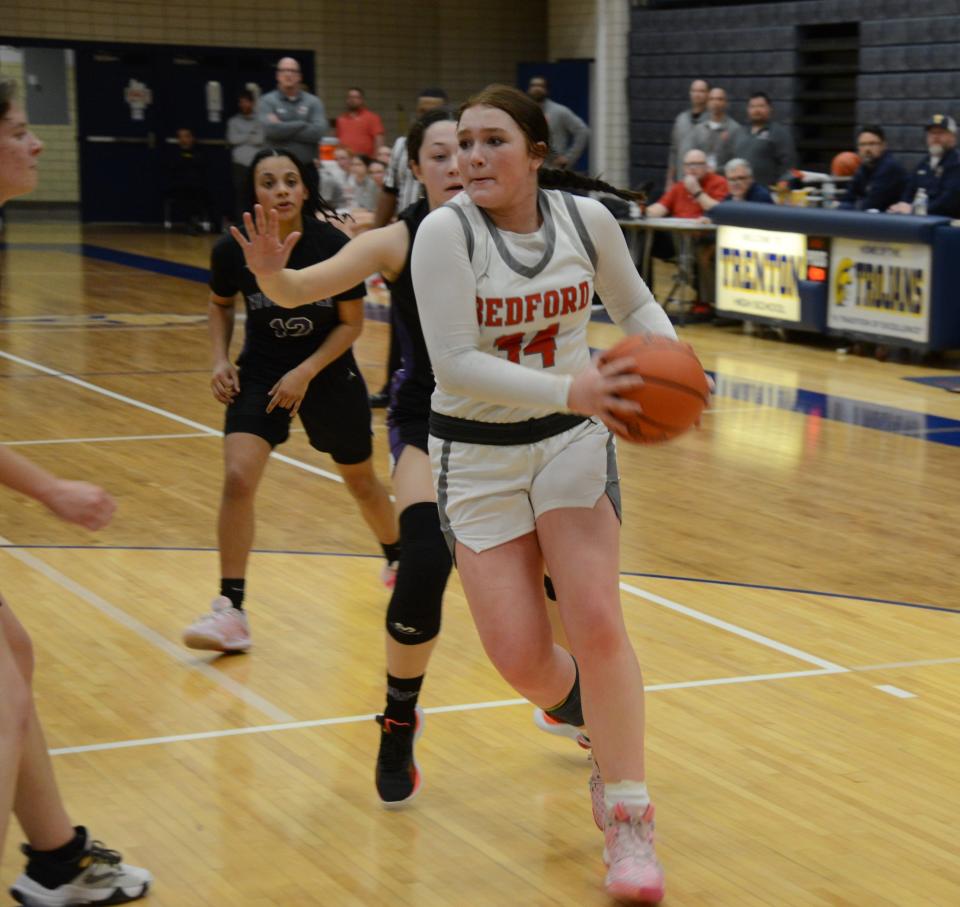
<point x="279" y="339"/>
<point x="414" y="381"/>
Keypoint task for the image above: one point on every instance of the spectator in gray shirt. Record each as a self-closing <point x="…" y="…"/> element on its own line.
<point x="245" y="136"/>
<point x="768" y="146"/>
<point x="568" y="133"/>
<point x="294" y="119"/>
<point x="683" y="126"/>
<point x="716" y="135"/>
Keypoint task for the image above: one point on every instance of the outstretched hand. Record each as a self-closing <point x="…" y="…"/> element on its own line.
<point x="81" y="503"/>
<point x="264" y="253"/>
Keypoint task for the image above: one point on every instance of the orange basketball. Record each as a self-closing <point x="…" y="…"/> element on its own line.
<point x="844" y="164"/>
<point x="674" y="390"/>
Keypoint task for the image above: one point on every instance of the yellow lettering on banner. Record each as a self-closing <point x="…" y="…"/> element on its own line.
<point x="889" y="288"/>
<point x="763" y="273"/>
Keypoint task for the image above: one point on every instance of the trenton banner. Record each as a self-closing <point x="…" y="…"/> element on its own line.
<point x="880" y="288"/>
<point x="759" y="272"/>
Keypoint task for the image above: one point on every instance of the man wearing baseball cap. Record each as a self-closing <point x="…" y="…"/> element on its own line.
<point x="938" y="173"/>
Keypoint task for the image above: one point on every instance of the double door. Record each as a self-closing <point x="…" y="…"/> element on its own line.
<point x="131" y="99"/>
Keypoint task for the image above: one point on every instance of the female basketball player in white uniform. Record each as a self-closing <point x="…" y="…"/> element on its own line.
<point x="504" y="277"/>
<point x="64" y="866"/>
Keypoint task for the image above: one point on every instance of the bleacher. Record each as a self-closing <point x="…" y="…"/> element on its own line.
<point x="908" y="67"/>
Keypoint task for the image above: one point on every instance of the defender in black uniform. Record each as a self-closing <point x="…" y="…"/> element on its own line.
<point x="413" y="616"/>
<point x="296" y="362"/>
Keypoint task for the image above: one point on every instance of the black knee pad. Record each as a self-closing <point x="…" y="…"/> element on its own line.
<point x="413" y="615"/>
<point x="570" y="710"/>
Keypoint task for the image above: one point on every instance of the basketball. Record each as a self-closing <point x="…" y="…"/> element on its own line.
<point x="674" y="390"/>
<point x="845" y="164"/>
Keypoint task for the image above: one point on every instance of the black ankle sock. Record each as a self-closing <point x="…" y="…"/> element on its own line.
<point x="570" y="710"/>
<point x="402" y="695"/>
<point x="233" y="589"/>
<point x="391" y="551"/>
<point x="548" y="588"/>
<point x="51" y="868"/>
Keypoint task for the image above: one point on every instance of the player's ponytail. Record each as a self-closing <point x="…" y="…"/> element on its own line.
<point x="549" y="178"/>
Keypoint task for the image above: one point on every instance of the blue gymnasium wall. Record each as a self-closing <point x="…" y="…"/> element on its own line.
<point x="909" y="65"/>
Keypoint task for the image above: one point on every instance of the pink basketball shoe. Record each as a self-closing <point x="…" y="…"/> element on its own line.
<point x="222" y="629"/>
<point x="634" y="873"/>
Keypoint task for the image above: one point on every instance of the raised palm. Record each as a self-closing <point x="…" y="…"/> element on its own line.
<point x="265" y="254"/>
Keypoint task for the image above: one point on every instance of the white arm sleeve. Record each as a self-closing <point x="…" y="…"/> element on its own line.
<point x="446" y="290"/>
<point x="625" y="296"/>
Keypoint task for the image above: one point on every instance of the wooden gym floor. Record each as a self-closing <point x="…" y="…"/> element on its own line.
<point x="789" y="579"/>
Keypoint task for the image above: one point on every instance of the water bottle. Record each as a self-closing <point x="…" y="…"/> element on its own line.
<point x="920" y="202"/>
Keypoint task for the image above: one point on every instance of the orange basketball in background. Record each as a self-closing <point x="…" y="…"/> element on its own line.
<point x="675" y="390"/>
<point x="845" y="164"/>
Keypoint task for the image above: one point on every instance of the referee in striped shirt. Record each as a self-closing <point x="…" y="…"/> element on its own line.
<point x="400" y="190"/>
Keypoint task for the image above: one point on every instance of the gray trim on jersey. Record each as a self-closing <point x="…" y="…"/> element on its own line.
<point x="612" y="489"/>
<point x="549" y="236"/>
<point x="467" y="229"/>
<point x="574" y="213"/>
<point x="442" y="500"/>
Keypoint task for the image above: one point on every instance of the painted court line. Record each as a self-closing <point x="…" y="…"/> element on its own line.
<point x="929" y="662"/>
<point x="156" y="410"/>
<point x="736" y="630"/>
<point x="192" y="434"/>
<point x="467" y="707"/>
<point x="151" y="636"/>
<point x="896" y="691"/>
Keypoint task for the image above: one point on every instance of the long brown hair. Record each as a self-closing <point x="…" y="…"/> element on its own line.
<point x="528" y="115"/>
<point x="8" y="91"/>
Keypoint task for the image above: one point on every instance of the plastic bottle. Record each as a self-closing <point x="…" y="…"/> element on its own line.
<point x="920" y="202"/>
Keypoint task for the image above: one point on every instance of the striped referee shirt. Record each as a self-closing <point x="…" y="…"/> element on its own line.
<point x="399" y="179"/>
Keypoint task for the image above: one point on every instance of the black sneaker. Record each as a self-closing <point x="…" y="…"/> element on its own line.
<point x="380" y="400"/>
<point x="101" y="877"/>
<point x="398" y="775"/>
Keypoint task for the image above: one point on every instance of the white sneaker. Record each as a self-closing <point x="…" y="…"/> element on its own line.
<point x="102" y="878"/>
<point x="388" y="575"/>
<point x="560" y="728"/>
<point x="223" y="629"/>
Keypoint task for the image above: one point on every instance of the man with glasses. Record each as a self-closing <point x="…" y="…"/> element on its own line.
<point x="743" y="188"/>
<point x="293" y="119"/>
<point x="698" y="191"/>
<point x="880" y="179"/>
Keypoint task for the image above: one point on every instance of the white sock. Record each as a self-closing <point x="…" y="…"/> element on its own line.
<point x="632" y="794"/>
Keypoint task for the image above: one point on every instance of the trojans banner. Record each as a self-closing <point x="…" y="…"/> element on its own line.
<point x="880" y="288"/>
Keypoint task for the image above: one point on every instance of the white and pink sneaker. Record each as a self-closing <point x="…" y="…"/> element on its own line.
<point x="223" y="629"/>
<point x="634" y="873"/>
<point x="388" y="575"/>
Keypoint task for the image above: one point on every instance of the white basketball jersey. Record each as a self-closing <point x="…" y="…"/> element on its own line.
<point x="533" y="297"/>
